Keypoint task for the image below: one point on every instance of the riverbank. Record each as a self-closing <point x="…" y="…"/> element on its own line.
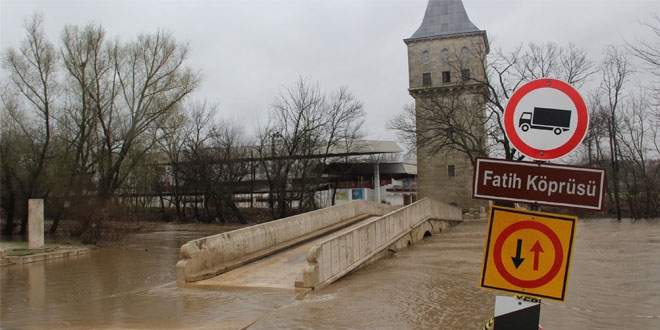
<point x="14" y="250"/>
<point x="18" y="253"/>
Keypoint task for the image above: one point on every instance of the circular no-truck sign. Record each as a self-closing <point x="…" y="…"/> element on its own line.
<point x="546" y="119"/>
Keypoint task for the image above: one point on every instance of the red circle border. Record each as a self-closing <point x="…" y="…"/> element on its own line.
<point x="571" y="144"/>
<point x="528" y="224"/>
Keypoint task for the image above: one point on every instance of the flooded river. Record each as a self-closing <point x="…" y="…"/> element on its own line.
<point x="614" y="284"/>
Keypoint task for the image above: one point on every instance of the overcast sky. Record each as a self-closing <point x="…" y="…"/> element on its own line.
<point x="249" y="50"/>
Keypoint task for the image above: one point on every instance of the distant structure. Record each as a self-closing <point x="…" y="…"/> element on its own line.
<point x="446" y="58"/>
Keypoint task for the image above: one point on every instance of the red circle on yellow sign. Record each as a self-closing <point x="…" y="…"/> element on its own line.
<point x="556" y="244"/>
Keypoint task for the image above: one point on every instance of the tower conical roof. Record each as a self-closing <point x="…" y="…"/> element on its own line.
<point x="444" y="18"/>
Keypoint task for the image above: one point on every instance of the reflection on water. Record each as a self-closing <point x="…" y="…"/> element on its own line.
<point x="129" y="287"/>
<point x="614" y="284"/>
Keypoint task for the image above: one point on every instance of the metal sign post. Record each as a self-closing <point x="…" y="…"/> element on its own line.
<point x="529" y="252"/>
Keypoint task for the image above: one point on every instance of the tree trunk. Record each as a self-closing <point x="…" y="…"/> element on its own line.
<point x="237" y="211"/>
<point x="10" y="208"/>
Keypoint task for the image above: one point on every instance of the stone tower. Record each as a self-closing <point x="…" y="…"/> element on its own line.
<point x="446" y="65"/>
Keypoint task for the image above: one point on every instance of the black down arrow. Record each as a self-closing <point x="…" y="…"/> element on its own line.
<point x="517" y="260"/>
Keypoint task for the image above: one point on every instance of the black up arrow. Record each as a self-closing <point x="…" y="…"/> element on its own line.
<point x="517" y="260"/>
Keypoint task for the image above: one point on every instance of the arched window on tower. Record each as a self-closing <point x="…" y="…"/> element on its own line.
<point x="464" y="53"/>
<point x="425" y="57"/>
<point x="445" y="55"/>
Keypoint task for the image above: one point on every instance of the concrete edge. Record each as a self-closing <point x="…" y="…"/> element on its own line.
<point x="48" y="254"/>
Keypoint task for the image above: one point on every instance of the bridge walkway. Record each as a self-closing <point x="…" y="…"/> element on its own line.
<point x="282" y="270"/>
<point x="310" y="250"/>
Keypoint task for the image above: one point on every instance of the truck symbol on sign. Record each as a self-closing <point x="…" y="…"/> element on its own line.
<point x="556" y="120"/>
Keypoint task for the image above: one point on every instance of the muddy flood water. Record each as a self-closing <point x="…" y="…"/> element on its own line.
<point x="614" y="284"/>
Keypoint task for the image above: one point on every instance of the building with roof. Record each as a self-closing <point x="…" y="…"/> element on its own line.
<point x="387" y="182"/>
<point x="355" y="170"/>
<point x="365" y="170"/>
<point x="446" y="61"/>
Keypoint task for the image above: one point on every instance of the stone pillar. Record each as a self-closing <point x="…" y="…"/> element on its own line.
<point x="36" y="223"/>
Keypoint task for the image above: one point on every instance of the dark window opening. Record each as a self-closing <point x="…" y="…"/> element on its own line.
<point x="451" y="170"/>
<point x="426" y="79"/>
<point x="446" y="77"/>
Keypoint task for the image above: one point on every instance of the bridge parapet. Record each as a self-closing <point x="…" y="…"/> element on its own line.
<point x="341" y="254"/>
<point x="210" y="256"/>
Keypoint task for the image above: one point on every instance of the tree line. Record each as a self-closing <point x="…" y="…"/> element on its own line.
<point x="99" y="128"/>
<point x="623" y="98"/>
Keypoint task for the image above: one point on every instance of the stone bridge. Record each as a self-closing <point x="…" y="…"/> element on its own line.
<point x="310" y="250"/>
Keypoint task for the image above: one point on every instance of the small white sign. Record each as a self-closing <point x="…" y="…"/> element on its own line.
<point x="507" y="305"/>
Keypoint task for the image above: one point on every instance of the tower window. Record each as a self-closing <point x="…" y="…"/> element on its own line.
<point x="451" y="170"/>
<point x="445" y="55"/>
<point x="465" y="74"/>
<point x="464" y="53"/>
<point x="425" y="57"/>
<point x="426" y="79"/>
<point x="446" y="77"/>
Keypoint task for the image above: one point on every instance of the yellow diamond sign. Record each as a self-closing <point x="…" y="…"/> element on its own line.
<point x="528" y="252"/>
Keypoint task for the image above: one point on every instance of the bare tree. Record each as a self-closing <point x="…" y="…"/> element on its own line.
<point x="506" y="72"/>
<point x="593" y="140"/>
<point x="90" y="91"/>
<point x="616" y="70"/>
<point x="174" y="132"/>
<point x="344" y="129"/>
<point x="458" y="122"/>
<point x="649" y="52"/>
<point x="11" y="146"/>
<point x="31" y="70"/>
<point x="197" y="173"/>
<point x="455" y="123"/>
<point x="118" y="97"/>
<point x="151" y="80"/>
<point x="293" y="133"/>
<point x="641" y="172"/>
<point x="208" y="163"/>
<point x="228" y="146"/>
<point x="84" y="133"/>
<point x="304" y="127"/>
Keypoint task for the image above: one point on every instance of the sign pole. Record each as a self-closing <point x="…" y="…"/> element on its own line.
<point x="514" y="314"/>
<point x="528" y="252"/>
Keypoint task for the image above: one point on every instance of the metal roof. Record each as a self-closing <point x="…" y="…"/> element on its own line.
<point x="366" y="147"/>
<point x="398" y="168"/>
<point x="444" y="18"/>
<point x="367" y="168"/>
<point x="341" y="149"/>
